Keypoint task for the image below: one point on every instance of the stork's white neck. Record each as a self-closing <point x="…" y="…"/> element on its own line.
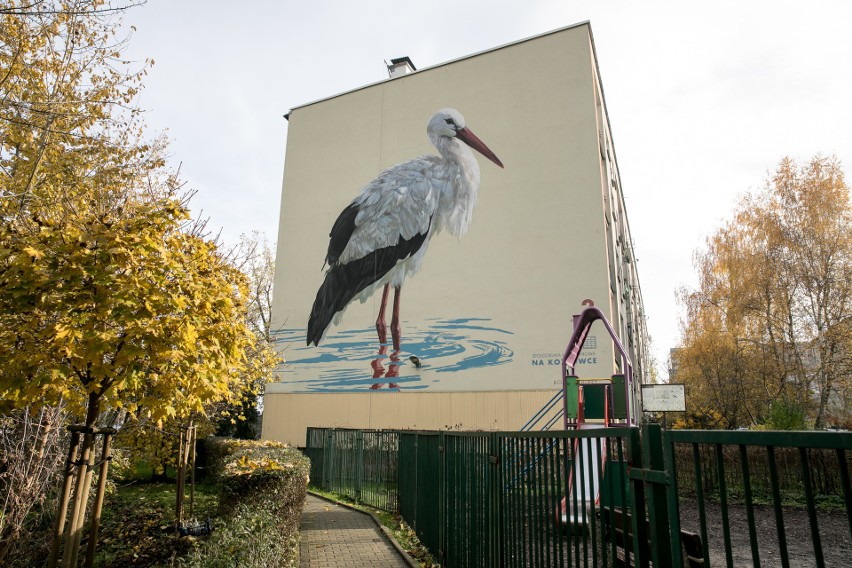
<point x="459" y="198"/>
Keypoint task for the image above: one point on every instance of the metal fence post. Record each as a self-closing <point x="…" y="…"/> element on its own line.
<point x="328" y="459"/>
<point x="637" y="498"/>
<point x="672" y="501"/>
<point x="417" y="465"/>
<point x="658" y="514"/>
<point x="494" y="492"/>
<point x="359" y="463"/>
<point x="442" y="495"/>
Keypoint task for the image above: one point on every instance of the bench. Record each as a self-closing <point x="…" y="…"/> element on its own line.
<point x="622" y="523"/>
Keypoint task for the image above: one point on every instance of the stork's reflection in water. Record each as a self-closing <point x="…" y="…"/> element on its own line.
<point x="379" y="371"/>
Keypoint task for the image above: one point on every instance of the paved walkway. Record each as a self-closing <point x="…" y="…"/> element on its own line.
<point x="333" y="535"/>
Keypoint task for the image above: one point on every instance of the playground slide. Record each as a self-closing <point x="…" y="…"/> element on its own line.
<point x="583" y="481"/>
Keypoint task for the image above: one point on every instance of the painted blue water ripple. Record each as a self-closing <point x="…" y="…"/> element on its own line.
<point x="353" y="360"/>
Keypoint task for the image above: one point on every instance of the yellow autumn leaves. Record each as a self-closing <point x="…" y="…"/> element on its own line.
<point x="110" y="296"/>
<point x="769" y="328"/>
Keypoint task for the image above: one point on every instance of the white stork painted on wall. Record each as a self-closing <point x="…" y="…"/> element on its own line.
<point x="382" y="236"/>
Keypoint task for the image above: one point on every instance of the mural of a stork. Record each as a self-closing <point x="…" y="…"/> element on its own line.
<point x="381" y="237"/>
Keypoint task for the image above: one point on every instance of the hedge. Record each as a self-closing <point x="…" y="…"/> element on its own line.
<point x="263" y="490"/>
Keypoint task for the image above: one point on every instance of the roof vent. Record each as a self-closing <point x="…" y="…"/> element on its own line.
<point x="400" y="66"/>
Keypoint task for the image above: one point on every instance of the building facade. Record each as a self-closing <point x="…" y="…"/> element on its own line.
<point x="488" y="316"/>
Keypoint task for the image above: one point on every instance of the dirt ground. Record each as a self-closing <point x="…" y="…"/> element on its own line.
<point x="834" y="535"/>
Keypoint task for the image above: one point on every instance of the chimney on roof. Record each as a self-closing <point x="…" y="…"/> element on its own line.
<point x="400" y="66"/>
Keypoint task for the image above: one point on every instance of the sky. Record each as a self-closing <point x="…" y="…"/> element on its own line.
<point x="704" y="98"/>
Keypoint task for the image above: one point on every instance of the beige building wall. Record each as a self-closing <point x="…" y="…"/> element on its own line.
<point x="544" y="237"/>
<point x="286" y="416"/>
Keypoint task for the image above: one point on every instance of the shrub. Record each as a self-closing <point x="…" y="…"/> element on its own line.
<point x="784" y="415"/>
<point x="32" y="450"/>
<point x="263" y="491"/>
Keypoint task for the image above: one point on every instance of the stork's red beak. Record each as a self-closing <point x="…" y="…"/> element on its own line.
<point x="469" y="138"/>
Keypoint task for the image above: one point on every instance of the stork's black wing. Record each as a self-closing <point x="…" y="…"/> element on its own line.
<point x="340" y="233"/>
<point x="345" y="281"/>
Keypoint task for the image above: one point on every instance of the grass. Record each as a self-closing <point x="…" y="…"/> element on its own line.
<point x="137" y="526"/>
<point x="401" y="532"/>
<point x="761" y="496"/>
<point x="254" y="499"/>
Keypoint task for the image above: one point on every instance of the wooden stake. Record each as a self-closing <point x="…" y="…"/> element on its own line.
<point x="72" y="541"/>
<point x="192" y="474"/>
<point x="99" y="501"/>
<point x="59" y="527"/>
<point x="179" y="496"/>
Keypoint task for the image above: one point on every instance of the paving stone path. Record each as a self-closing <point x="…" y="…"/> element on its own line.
<point x="333" y="535"/>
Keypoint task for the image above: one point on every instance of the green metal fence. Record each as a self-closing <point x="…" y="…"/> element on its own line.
<point x="744" y="492"/>
<point x="527" y="499"/>
<point x="607" y="497"/>
<point x="501" y="499"/>
<point x="359" y="464"/>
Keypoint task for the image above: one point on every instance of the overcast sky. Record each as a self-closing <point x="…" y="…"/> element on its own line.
<point x="704" y="98"/>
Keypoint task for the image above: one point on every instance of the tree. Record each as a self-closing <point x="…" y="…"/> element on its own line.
<point x="112" y="299"/>
<point x="66" y="126"/>
<point x="116" y="307"/>
<point x="255" y="257"/>
<point x="770" y="320"/>
<point x="67" y="118"/>
<point x="713" y="358"/>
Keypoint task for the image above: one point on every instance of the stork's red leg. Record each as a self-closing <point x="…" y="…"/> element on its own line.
<point x="381" y="328"/>
<point x="396" y="330"/>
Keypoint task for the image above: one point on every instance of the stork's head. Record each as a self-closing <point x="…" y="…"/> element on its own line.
<point x="449" y="123"/>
